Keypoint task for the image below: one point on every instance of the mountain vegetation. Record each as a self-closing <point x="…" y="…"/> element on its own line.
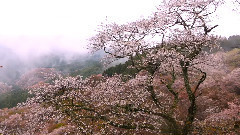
<point x="173" y="82"/>
<point x="13" y="97"/>
<point x="15" y="90"/>
<point x="230" y="43"/>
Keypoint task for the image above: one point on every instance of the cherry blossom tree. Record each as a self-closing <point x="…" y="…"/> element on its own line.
<point x="170" y="51"/>
<point x="173" y="42"/>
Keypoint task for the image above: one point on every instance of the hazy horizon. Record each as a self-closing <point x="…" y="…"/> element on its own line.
<point x="32" y="28"/>
<point x="46" y="26"/>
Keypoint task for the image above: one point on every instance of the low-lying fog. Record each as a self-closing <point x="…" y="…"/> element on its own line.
<point x="15" y="64"/>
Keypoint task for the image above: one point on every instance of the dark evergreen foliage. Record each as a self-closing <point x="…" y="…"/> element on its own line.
<point x="230" y="43"/>
<point x="12" y="98"/>
<point x="120" y="69"/>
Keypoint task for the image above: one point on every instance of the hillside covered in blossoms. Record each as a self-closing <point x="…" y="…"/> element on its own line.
<point x="218" y="104"/>
<point x="168" y="74"/>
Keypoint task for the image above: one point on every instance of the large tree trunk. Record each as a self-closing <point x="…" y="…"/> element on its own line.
<point x="193" y="107"/>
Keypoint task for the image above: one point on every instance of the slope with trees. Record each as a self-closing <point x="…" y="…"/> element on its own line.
<point x="182" y="31"/>
<point x="179" y="87"/>
<point x="230" y="43"/>
<point x="12" y="97"/>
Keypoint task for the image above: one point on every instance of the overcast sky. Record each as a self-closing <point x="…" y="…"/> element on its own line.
<point x="42" y="25"/>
